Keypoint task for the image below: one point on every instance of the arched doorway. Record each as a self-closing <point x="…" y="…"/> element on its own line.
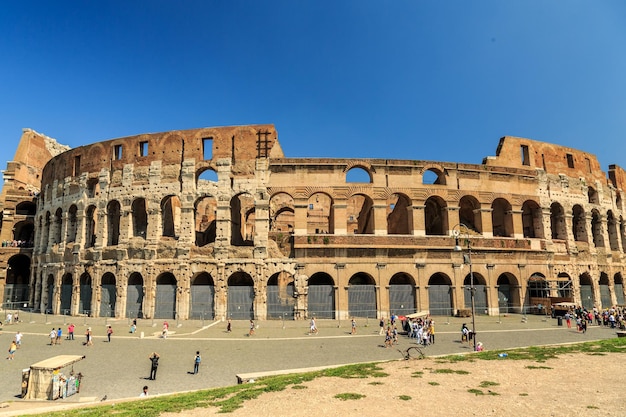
<point x="362" y="296"/>
<point x="586" y="291"/>
<point x="134" y="296"/>
<point x="240" y="296"/>
<point x="321" y="296"/>
<point x="401" y="294"/>
<point x="108" y="295"/>
<point x="507" y="298"/>
<point x="440" y="295"/>
<point x="202" y="297"/>
<point x="619" y="288"/>
<point x="480" y="293"/>
<point x="280" y="299"/>
<point x="165" y="304"/>
<point x="66" y="294"/>
<point x="16" y="289"/>
<point x="84" y="304"/>
<point x="605" y="293"/>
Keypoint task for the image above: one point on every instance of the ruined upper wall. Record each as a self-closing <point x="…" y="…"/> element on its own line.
<point x="553" y="159"/>
<point x="241" y="144"/>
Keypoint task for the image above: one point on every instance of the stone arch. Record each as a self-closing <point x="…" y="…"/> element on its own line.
<point x="321" y="296"/>
<point x="67" y="282"/>
<point x="135" y="296"/>
<point x="24" y="233"/>
<point x="538" y="290"/>
<point x="434" y="176"/>
<point x="435" y="216"/>
<point x="26" y="208"/>
<point x="611" y="224"/>
<point x="282" y="213"/>
<point x="320" y="214"/>
<point x="579" y="224"/>
<point x="502" y="218"/>
<point x="58" y="226"/>
<point x="16" y="288"/>
<point x="114" y="213"/>
<point x="565" y="287"/>
<point x="360" y="213"/>
<point x="206" y="177"/>
<point x="108" y="295"/>
<point x="84" y="303"/>
<point x="139" y="218"/>
<point x="508" y="298"/>
<point x="280" y="296"/>
<point x="402" y="294"/>
<point x="557" y="222"/>
<point x="618" y="285"/>
<point x="596" y="229"/>
<point x="362" y="296"/>
<point x="532" y="222"/>
<point x="399" y="216"/>
<point x="165" y="303"/>
<point x="171" y="211"/>
<point x="359" y="174"/>
<point x="72" y="223"/>
<point x="469" y="213"/>
<point x="90" y="226"/>
<point x="605" y="292"/>
<point x="202" y="296"/>
<point x="205" y="215"/>
<point x="440" y="295"/>
<point x="241" y="207"/>
<point x="480" y="293"/>
<point x="592" y="195"/>
<point x="240" y="296"/>
<point x="587" y="297"/>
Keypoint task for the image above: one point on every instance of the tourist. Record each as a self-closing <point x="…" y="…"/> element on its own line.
<point x="59" y="335"/>
<point x="144" y="393"/>
<point x="70" y="331"/>
<point x="313" y="326"/>
<point x="109" y="333"/>
<point x="88" y="337"/>
<point x="53" y="336"/>
<point x="381" y="324"/>
<point x="18" y="339"/>
<point x="431" y="332"/>
<point x="12" y="350"/>
<point x="229" y="326"/>
<point x="464" y="333"/>
<point x="251" y="331"/>
<point x="353" y="324"/>
<point x="196" y="362"/>
<point x="154" y="364"/>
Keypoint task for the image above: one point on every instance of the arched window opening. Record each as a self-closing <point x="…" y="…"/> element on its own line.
<point x="502" y="218"/>
<point x="557" y="222"/>
<point x="359" y="175"/>
<point x="360" y="214"/>
<point x="140" y="218"/>
<point x="435" y="216"/>
<point x="433" y="176"/>
<point x="399" y="218"/>
<point x="113" y="223"/>
<point x="205" y="220"/>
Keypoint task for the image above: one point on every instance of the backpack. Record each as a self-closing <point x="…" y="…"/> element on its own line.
<point x="198" y="359"/>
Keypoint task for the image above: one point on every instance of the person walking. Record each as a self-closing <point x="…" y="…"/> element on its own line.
<point x="109" y="332"/>
<point x="59" y="335"/>
<point x="88" y="337"/>
<point x="53" y="336"/>
<point x="229" y="326"/>
<point x="154" y="365"/>
<point x="313" y="326"/>
<point x="196" y="362"/>
<point x="70" y="331"/>
<point x="251" y="332"/>
<point x="381" y="324"/>
<point x="12" y="350"/>
<point x="353" y="324"/>
<point x="18" y="339"/>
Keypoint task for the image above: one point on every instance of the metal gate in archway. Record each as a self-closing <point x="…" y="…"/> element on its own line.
<point x="401" y="299"/>
<point x="66" y="298"/>
<point x="202" y="302"/>
<point x="480" y="298"/>
<point x="15" y="294"/>
<point x="241" y="302"/>
<point x="134" y="301"/>
<point x="586" y="296"/>
<point x="439" y="300"/>
<point x="280" y="305"/>
<point x="362" y="300"/>
<point x="504" y="298"/>
<point x="108" y="298"/>
<point x="50" y="299"/>
<point x="165" y="307"/>
<point x="321" y="301"/>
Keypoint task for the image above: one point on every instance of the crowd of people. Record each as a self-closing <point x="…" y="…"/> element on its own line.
<point x="18" y="243"/>
<point x="614" y="317"/>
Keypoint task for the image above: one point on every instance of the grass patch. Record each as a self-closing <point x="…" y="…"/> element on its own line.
<point x="537" y="367"/>
<point x="433" y="383"/>
<point x="417" y="374"/>
<point x="523" y="394"/>
<point x="363" y="370"/>
<point x="375" y="383"/>
<point x="349" y="396"/>
<point x="299" y="387"/>
<point x="449" y="371"/>
<point x="485" y="384"/>
<point x="404" y="397"/>
<point x="593" y="407"/>
<point x="475" y="391"/>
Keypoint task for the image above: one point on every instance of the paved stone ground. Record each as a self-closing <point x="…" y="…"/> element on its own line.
<point x="119" y="369"/>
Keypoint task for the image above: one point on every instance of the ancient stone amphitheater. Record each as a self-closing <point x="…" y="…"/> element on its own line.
<point x="217" y="222"/>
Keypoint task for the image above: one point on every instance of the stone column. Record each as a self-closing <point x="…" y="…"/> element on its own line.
<point x="340" y="210"/>
<point x="380" y="218"/>
<point x="300" y="226"/>
<point x="518" y="226"/>
<point x="485" y="218"/>
<point x="419" y="222"/>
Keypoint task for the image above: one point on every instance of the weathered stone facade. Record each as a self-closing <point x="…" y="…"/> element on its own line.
<point x="217" y="222"/>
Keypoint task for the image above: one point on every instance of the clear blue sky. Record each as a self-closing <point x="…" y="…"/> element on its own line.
<point x="406" y="79"/>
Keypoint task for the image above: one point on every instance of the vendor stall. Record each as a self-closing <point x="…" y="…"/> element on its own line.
<point x="50" y="379"/>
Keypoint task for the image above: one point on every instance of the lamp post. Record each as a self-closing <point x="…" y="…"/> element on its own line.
<point x="467" y="259"/>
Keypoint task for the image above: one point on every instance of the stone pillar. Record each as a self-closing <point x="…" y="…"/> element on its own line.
<point x="518" y="226"/>
<point x="485" y="218"/>
<point x="300" y="226"/>
<point x="380" y="218"/>
<point x="458" y="295"/>
<point x="493" y="299"/>
<point x="421" y="289"/>
<point x="419" y="222"/>
<point x="339" y="216"/>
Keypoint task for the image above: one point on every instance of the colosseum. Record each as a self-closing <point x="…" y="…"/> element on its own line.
<point x="216" y="222"/>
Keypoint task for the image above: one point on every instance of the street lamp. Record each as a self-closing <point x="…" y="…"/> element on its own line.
<point x="467" y="259"/>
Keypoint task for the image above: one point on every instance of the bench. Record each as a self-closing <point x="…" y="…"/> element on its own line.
<point x="621" y="333"/>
